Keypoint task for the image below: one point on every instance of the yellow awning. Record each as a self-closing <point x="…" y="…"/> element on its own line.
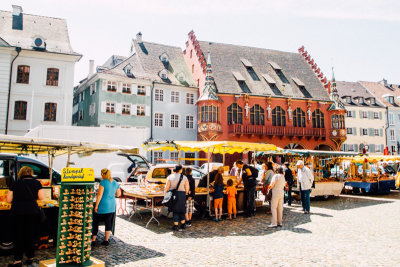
<point x="373" y="159"/>
<point x="227" y="147"/>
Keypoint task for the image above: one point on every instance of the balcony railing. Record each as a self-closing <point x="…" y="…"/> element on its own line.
<point x="260" y="130"/>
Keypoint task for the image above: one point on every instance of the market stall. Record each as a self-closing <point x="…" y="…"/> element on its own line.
<point x="326" y="166"/>
<point x="214" y="147"/>
<point x="20" y="145"/>
<point x="368" y="174"/>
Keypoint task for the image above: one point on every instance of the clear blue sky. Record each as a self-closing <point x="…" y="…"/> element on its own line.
<point x="360" y="38"/>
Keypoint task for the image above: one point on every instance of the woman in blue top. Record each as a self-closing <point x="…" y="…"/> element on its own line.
<point x="105" y="205"/>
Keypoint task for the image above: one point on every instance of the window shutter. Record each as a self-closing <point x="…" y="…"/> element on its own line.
<point x="361" y="133"/>
<point x="382" y="148"/>
<point x="134" y="110"/>
<point x="380" y="132"/>
<point x="104" y="87"/>
<point x="370" y="115"/>
<point x="344" y="147"/>
<point x="380" y="115"/>
<point x="355" y="147"/>
<point x="148" y="91"/>
<point x="147" y="110"/>
<point x="96" y="86"/>
<point x="353" y="113"/>
<point x="360" y="114"/>
<point x="370" y="131"/>
<point x="118" y="108"/>
<point x="119" y="87"/>
<point x="134" y="89"/>
<point x="103" y="106"/>
<point x="354" y="131"/>
<point x="372" y="147"/>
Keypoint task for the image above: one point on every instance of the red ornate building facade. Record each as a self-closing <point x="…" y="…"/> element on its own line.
<point x="259" y="95"/>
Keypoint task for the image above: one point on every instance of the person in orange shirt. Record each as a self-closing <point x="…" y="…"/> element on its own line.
<point x="231" y="192"/>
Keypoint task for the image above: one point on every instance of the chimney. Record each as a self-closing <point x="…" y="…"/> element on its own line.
<point x="91" y="67"/>
<point x="17" y="19"/>
<point x="139" y="37"/>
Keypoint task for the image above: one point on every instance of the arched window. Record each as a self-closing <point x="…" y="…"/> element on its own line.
<point x="20" y="110"/>
<point x="335" y="123"/>
<point x="278" y="117"/>
<point x="50" y="111"/>
<point x="318" y="119"/>
<point x="299" y="118"/>
<point x="209" y="113"/>
<point x="235" y="114"/>
<point x="257" y="115"/>
<point x="341" y="122"/>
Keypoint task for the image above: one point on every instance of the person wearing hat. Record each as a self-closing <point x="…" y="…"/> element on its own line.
<point x="305" y="180"/>
<point x="104" y="209"/>
<point x="289" y="179"/>
<point x="179" y="182"/>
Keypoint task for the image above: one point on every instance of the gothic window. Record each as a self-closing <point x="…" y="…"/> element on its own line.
<point x="338" y="122"/>
<point x="278" y="117"/>
<point x="299" y="118"/>
<point x="318" y="119"/>
<point x="235" y="114"/>
<point x="209" y="113"/>
<point x="257" y="115"/>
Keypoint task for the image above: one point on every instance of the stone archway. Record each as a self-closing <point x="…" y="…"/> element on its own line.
<point x="293" y="146"/>
<point x="323" y="147"/>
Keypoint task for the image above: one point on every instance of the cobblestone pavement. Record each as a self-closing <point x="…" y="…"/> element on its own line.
<point x="344" y="231"/>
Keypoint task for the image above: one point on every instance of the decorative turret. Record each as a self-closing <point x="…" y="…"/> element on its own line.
<point x="209" y="106"/>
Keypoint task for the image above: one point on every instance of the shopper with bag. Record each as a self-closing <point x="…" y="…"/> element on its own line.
<point x="266" y="180"/>
<point x="25" y="214"/>
<point x="289" y="179"/>
<point x="305" y="179"/>
<point x="277" y="186"/>
<point x="178" y="182"/>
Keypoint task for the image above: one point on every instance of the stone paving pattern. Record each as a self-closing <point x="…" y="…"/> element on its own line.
<point x="343" y="231"/>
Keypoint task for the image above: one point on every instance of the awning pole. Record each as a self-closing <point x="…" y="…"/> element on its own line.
<point x="69" y="156"/>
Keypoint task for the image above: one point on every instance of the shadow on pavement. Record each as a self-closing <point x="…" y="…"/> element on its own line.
<point x="118" y="252"/>
<point x="345" y="202"/>
<point x="241" y="226"/>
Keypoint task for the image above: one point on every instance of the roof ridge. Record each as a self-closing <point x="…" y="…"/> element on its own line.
<point x="161" y="44"/>
<point x="246" y="46"/>
<point x="33" y="15"/>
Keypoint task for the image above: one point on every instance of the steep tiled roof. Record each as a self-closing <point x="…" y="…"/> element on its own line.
<point x="119" y="69"/>
<point x="379" y="90"/>
<point x="54" y="31"/>
<point x="229" y="59"/>
<point x="149" y="56"/>
<point x="112" y="61"/>
<point x="355" y="90"/>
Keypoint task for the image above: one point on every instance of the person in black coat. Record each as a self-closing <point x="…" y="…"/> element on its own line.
<point x="289" y="179"/>
<point x="24" y="214"/>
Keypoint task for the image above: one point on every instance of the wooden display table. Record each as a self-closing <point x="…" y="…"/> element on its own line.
<point x="52" y="263"/>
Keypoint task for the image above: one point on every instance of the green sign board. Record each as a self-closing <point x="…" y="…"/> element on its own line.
<point x="75" y="217"/>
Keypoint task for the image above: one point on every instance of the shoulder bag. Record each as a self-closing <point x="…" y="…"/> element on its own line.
<point x="42" y="215"/>
<point x="170" y="197"/>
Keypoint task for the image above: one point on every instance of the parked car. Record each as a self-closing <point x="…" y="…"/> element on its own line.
<point x="10" y="165"/>
<point x="210" y="166"/>
<point x="128" y="170"/>
<point x="159" y="173"/>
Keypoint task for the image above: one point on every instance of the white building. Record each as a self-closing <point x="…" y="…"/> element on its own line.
<point x="36" y="54"/>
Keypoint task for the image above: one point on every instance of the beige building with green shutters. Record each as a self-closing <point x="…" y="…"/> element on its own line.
<point x="365" y="119"/>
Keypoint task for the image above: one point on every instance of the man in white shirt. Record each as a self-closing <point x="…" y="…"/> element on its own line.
<point x="305" y="179"/>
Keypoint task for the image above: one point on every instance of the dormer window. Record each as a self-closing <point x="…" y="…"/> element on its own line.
<point x="128" y="70"/>
<point x="361" y="100"/>
<point x="38" y="43"/>
<point x="391" y="99"/>
<point x="163" y="74"/>
<point x="348" y="99"/>
<point x="181" y="77"/>
<point x="164" y="58"/>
